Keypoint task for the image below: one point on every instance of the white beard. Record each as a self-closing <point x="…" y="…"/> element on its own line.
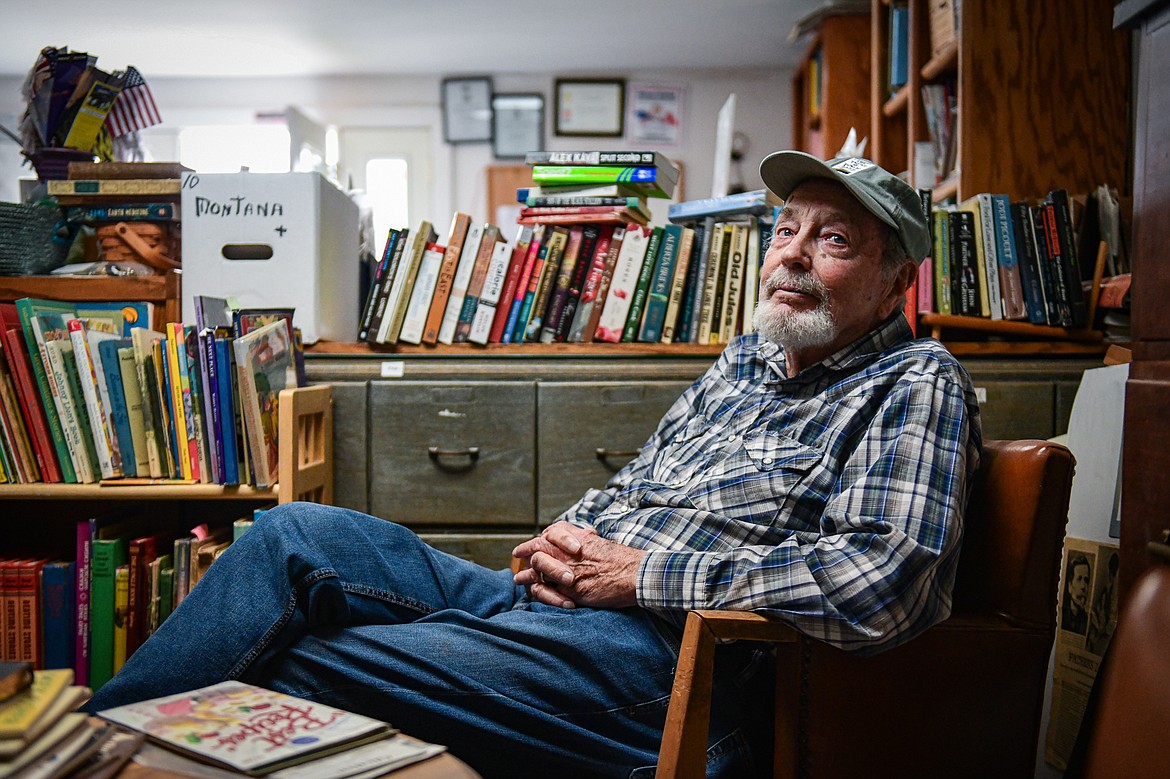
<point x="795" y="330"/>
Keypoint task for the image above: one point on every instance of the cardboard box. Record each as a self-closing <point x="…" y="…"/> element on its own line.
<point x="274" y="240"/>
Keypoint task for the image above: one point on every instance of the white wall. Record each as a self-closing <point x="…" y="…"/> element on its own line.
<point x="762" y="113"/>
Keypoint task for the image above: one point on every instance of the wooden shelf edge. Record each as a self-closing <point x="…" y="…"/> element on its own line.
<point x="1009" y="327"/>
<point x="350" y="349"/>
<point x="945" y="61"/>
<point x="1023" y="348"/>
<point x="897" y="102"/>
<point x="112" y="490"/>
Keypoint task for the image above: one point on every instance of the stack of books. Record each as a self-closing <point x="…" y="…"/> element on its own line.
<point x="89" y="392"/>
<point x="42" y="734"/>
<point x="594" y="187"/>
<point x="133" y="207"/>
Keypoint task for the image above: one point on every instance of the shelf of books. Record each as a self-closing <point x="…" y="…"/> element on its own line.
<point x="95" y="404"/>
<point x="586" y="273"/>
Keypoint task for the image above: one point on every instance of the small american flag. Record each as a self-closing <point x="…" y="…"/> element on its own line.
<point x="134" y="109"/>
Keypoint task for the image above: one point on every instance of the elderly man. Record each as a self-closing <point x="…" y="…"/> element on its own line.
<point x="817" y="473"/>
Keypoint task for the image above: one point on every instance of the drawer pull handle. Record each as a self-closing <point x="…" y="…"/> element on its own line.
<point x="436" y="454"/>
<point x="623" y="456"/>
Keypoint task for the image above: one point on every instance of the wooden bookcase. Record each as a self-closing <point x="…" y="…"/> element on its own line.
<point x="1042" y="96"/>
<point x="1042" y="91"/>
<point x="162" y="290"/>
<point x="826" y="106"/>
<point x="306" y="466"/>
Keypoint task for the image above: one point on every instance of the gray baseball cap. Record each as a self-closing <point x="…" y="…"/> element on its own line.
<point x="882" y="193"/>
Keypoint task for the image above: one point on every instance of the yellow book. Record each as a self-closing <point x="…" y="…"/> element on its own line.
<point x="18" y="713"/>
<point x="121" y="614"/>
<point x="183" y="436"/>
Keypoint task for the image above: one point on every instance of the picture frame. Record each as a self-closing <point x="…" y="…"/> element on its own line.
<point x="467" y="109"/>
<point x="517" y="124"/>
<point x="590" y="107"/>
<point x="654" y="115"/>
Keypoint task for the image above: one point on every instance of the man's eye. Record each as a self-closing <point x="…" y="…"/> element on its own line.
<point x="836" y="238"/>
<point x="787" y="232"/>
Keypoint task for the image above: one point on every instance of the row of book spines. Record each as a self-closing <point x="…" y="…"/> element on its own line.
<point x="137" y="429"/>
<point x="124" y="590"/>
<point x="35" y="595"/>
<point x="552" y="284"/>
<point x="999" y="259"/>
<point x="637" y="284"/>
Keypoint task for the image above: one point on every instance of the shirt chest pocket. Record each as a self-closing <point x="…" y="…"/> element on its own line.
<point x="756" y="477"/>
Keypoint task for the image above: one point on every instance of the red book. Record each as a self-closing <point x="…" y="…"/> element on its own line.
<point x="28" y="612"/>
<point x="12" y="344"/>
<point x="9" y="595"/>
<point x="460" y="224"/>
<point x="516" y="282"/>
<point x="142" y="551"/>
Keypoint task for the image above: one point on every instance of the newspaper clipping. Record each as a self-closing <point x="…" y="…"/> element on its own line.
<point x="1086" y="620"/>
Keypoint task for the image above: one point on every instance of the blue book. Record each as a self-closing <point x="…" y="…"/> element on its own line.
<point x="59" y="614"/>
<point x="108" y="354"/>
<point x="754" y="203"/>
<point x="899" y="45"/>
<point x="209" y="385"/>
<point x="522" y="305"/>
<point x="659" y="293"/>
<point x="226" y="399"/>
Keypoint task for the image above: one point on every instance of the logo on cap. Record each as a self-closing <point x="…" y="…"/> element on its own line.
<point x="853" y="165"/>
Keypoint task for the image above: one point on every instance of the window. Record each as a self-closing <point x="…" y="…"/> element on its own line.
<point x="386" y="194"/>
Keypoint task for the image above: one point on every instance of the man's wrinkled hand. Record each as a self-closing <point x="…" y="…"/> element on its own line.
<point x="570" y="566"/>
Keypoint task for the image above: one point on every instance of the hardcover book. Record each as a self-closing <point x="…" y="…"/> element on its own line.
<point x="246" y="728"/>
<point x="445" y="277"/>
<point x="468" y="258"/>
<point x="265" y="365"/>
<point x="623" y="284"/>
<point x="651" y="181"/>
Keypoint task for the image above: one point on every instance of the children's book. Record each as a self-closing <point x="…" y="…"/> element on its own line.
<point x="265" y="363"/>
<point x="247" y="728"/>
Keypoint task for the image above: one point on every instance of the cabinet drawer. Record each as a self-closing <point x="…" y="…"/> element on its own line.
<point x="452" y="453"/>
<point x="576" y="420"/>
<point x="349" y="445"/>
<point x="1016" y="409"/>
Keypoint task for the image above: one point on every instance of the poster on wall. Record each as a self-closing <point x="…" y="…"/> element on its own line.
<point x="654" y="115"/>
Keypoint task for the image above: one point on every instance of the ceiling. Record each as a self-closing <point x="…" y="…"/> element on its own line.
<point x="219" y="38"/>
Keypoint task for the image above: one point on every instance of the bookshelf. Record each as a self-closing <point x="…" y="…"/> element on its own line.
<point x="1041" y="89"/>
<point x="830" y="87"/>
<point x="1041" y="102"/>
<point x="161" y="290"/>
<point x="306" y="472"/>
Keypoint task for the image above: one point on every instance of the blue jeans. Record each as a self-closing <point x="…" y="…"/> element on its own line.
<point x="357" y="612"/>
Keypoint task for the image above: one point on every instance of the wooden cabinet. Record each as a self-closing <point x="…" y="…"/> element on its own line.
<point x="519" y="438"/>
<point x="1041" y="90"/>
<point x="830" y="87"/>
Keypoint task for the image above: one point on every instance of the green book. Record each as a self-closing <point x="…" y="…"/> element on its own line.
<point x="658" y="297"/>
<point x="642" y="289"/>
<point x="26" y="309"/>
<point x="651" y="181"/>
<point x="107" y="555"/>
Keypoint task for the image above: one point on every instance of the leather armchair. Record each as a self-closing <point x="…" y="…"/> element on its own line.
<point x="964" y="699"/>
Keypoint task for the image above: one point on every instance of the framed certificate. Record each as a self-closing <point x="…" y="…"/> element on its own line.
<point x="467" y="110"/>
<point x="590" y="107"/>
<point x="517" y="125"/>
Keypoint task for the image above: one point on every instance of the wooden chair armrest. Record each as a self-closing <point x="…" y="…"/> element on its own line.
<point x="684" y="740"/>
<point x="306" y="444"/>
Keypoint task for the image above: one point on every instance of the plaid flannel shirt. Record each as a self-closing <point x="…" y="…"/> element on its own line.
<point x="831" y="500"/>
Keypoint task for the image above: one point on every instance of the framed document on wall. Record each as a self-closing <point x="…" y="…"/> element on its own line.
<point x="467" y="110"/>
<point x="590" y="107"/>
<point x="517" y="125"/>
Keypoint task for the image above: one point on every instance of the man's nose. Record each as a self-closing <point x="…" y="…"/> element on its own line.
<point x="797" y="251"/>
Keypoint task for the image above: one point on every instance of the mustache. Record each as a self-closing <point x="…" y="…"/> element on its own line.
<point x="782" y="278"/>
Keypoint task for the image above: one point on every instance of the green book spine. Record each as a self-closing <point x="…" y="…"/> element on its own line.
<point x="660" y="286"/>
<point x="107" y="555"/>
<point x="26" y="308"/>
<point x="166" y="587"/>
<point x="638" y="302"/>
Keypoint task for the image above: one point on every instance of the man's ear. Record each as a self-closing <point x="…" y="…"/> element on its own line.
<point x="896" y="296"/>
